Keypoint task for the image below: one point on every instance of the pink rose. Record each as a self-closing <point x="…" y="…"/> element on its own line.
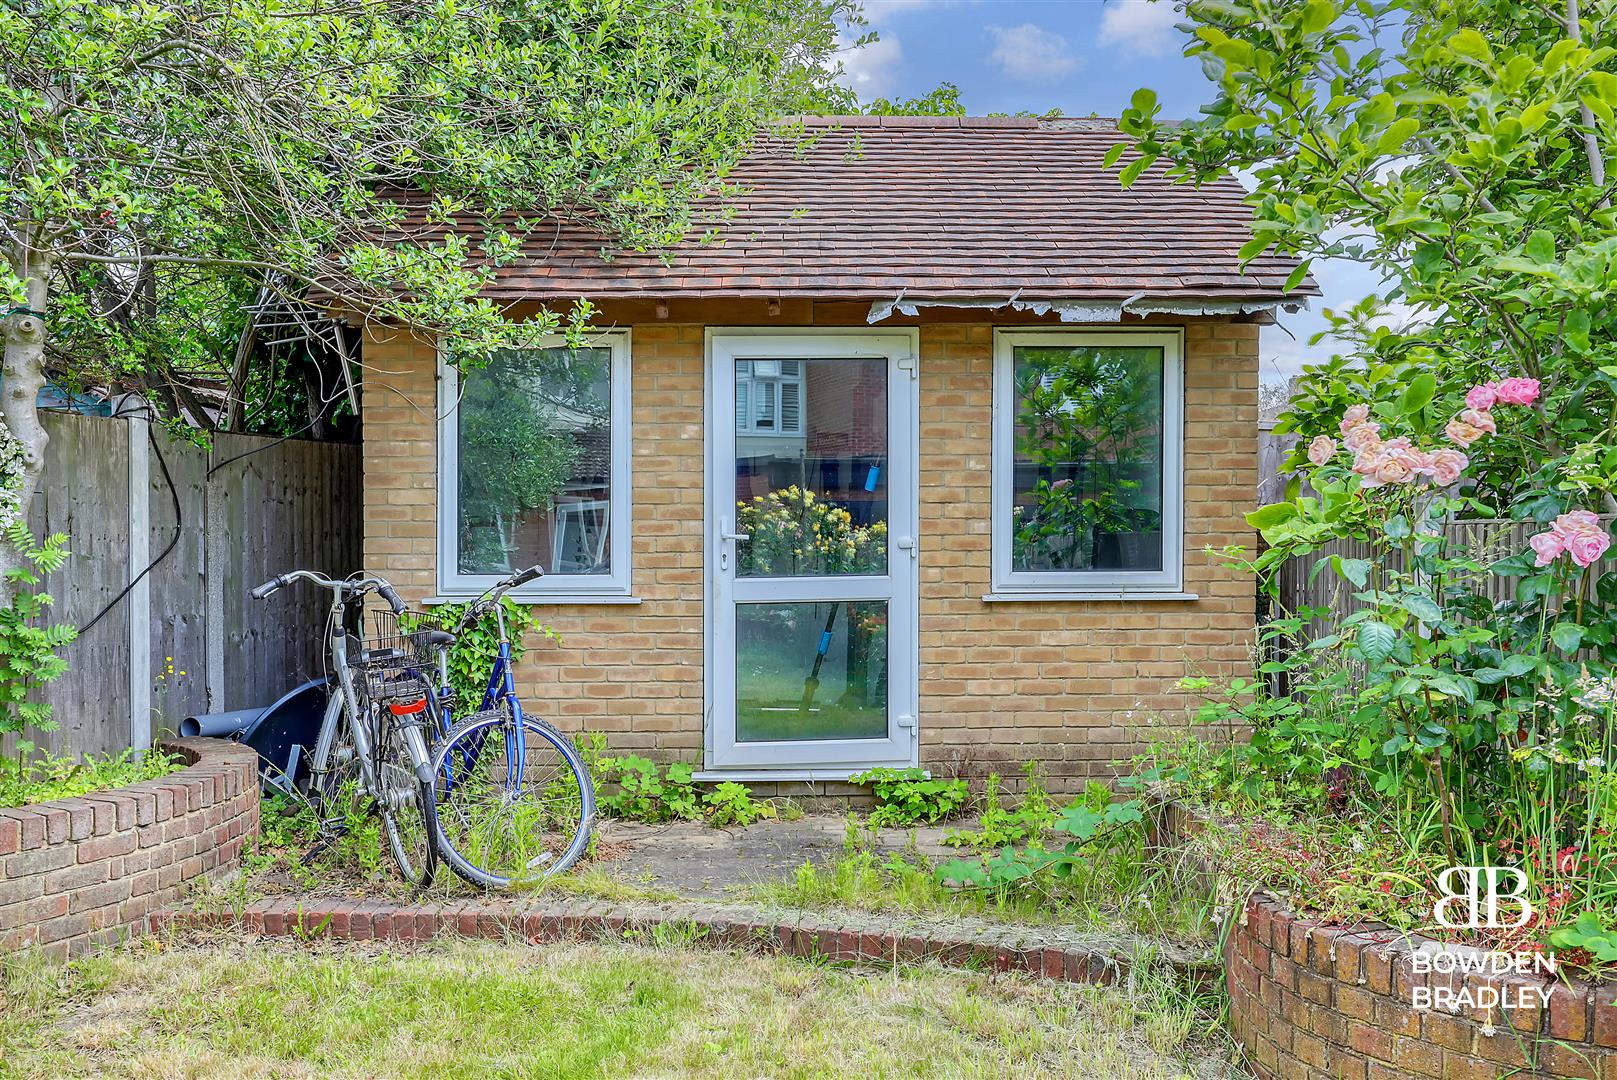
<point x="1575" y="519"/>
<point x="1587" y="545"/>
<point x="1355" y="415"/>
<point x="1517" y="391"/>
<point x="1469" y="426"/>
<point x="1482" y="396"/>
<point x="1361" y="436"/>
<point x="1322" y="449"/>
<point x="1548" y="546"/>
<point x="1577" y="533"/>
<point x="1445" y="465"/>
<point x="1394" y="468"/>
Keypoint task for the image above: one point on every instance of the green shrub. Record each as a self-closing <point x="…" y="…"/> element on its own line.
<point x="906" y="796"/>
<point x="646" y="792"/>
<point x="657" y="794"/>
<point x="999" y="826"/>
<point x="45" y="778"/>
<point x="732" y="804"/>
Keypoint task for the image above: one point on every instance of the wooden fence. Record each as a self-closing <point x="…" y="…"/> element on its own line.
<point x="186" y="638"/>
<point x="1484" y="540"/>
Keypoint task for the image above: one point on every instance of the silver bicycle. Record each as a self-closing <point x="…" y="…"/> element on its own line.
<point x="377" y="732"/>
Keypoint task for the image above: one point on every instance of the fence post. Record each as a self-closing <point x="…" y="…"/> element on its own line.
<point x="139" y="610"/>
<point x="214" y="561"/>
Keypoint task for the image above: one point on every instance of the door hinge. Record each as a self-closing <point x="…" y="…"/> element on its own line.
<point x="906" y="721"/>
<point x="907" y="363"/>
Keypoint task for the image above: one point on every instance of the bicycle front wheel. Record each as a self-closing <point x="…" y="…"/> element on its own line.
<point x="515" y="804"/>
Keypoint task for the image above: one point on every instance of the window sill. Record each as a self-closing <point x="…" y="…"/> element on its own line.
<point x="1069" y="596"/>
<point x="538" y="599"/>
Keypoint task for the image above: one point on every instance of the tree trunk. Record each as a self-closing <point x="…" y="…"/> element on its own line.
<point x="24" y="376"/>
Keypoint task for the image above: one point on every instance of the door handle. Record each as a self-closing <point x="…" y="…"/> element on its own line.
<point x="726" y="538"/>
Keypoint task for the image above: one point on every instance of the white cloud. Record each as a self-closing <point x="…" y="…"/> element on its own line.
<point x="1032" y="54"/>
<point x="1144" y="26"/>
<point x="870" y="70"/>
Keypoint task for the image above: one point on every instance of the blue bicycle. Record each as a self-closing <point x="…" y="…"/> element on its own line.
<point x="514" y="800"/>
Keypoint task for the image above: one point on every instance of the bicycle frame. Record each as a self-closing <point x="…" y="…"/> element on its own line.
<point x="502" y="686"/>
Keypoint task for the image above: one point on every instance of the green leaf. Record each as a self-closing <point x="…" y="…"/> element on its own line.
<point x="1355" y="570"/>
<point x="1131" y="172"/>
<point x="1295" y="279"/>
<point x="1418" y="394"/>
<point x="1470" y="44"/>
<point x="1567" y="636"/>
<point x="1268" y="517"/>
<point x="1318" y="15"/>
<point x="1540" y="246"/>
<point x="1376" y="640"/>
<point x="1397" y="133"/>
<point x="1423" y="607"/>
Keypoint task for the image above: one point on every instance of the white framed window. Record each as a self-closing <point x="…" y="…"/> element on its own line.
<point x="769" y="397"/>
<point x="1088" y="464"/>
<point x="533" y="467"/>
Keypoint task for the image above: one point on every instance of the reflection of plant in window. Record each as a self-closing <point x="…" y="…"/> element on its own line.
<point x="1088" y="419"/>
<point x="523" y="421"/>
<point x="794" y="532"/>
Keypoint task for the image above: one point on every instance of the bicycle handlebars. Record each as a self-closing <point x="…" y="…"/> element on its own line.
<point x="348" y="587"/>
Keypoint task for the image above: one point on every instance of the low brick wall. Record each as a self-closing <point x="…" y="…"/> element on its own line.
<point x="78" y="873"/>
<point x="1314" y="1001"/>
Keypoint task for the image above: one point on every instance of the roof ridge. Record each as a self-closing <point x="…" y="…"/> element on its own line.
<point x="866" y="121"/>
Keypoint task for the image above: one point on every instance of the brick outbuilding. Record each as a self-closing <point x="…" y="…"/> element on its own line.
<point x="919" y="457"/>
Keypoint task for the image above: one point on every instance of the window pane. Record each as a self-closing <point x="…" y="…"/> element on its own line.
<point x="811" y="498"/>
<point x="1088" y="481"/>
<point x="535" y="455"/>
<point x="811" y="671"/>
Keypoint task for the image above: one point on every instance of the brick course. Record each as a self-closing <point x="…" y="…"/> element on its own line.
<point x="1071" y="684"/>
<point x="1309" y="1001"/>
<point x="79" y="873"/>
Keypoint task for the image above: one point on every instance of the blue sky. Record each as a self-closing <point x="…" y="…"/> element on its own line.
<point x="1085" y="57"/>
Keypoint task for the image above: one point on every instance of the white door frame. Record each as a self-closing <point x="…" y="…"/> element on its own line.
<point x="724" y="757"/>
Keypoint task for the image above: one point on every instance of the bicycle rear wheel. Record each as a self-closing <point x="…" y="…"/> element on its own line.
<point x="514" y="805"/>
<point x="409" y="818"/>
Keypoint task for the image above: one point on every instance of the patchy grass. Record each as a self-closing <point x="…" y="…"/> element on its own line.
<point x="1125" y="888"/>
<point x="229" y="1008"/>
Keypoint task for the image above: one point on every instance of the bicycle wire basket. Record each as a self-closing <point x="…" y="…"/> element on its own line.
<point x="397" y="660"/>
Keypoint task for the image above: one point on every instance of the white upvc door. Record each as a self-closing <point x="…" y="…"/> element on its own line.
<point x="812" y="550"/>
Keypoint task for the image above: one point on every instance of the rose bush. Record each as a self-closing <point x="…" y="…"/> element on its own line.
<point x="1474" y="730"/>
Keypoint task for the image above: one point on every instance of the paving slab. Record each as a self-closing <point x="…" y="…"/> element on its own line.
<point x="693" y="859"/>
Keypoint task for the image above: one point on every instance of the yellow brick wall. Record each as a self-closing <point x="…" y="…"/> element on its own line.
<point x="1075" y="685"/>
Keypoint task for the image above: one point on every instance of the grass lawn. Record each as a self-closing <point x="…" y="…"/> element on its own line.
<point x="165" y="1007"/>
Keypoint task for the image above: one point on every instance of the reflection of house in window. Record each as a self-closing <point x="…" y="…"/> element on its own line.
<point x="817" y="424"/>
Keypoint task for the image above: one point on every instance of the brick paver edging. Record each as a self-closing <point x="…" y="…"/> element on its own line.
<point x="1314" y="1001"/>
<point x="78" y="873"/>
<point x="1050" y="952"/>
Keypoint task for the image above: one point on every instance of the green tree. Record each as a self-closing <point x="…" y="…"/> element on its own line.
<point x="164" y="159"/>
<point x="1461" y="149"/>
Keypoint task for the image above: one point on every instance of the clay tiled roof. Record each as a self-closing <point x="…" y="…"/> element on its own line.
<point x="942" y="208"/>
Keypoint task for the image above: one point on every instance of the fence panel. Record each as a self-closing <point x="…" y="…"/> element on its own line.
<point x="186" y="638"/>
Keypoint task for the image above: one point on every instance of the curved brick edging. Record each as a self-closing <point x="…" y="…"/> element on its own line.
<point x="78" y="873"/>
<point x="1315" y="1001"/>
<point x="858" y="937"/>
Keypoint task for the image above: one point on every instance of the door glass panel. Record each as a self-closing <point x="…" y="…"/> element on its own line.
<point x="811" y="671"/>
<point x="811" y="467"/>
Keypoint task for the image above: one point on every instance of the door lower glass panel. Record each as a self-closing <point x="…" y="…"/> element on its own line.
<point x="811" y="671"/>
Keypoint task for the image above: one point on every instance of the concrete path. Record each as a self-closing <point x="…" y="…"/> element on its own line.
<point x="695" y="860"/>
